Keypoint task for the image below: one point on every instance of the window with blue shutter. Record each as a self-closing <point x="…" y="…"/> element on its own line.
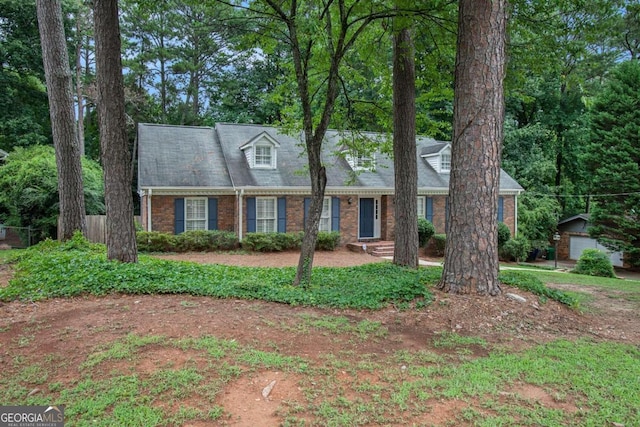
<point x="429" y="210"/>
<point x="251" y="214"/>
<point x="212" y="221"/>
<point x="178" y="214"/>
<point x="500" y="209"/>
<point x="282" y="214"/>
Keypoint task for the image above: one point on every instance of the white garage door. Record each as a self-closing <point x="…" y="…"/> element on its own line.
<point x="578" y="243"/>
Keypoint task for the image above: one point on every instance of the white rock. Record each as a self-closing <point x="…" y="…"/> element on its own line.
<point x="267" y="390"/>
<point x="516" y="297"/>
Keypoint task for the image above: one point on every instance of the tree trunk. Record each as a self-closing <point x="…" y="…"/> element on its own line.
<point x="471" y="254"/>
<point x="114" y="146"/>
<point x="404" y="151"/>
<point x="63" y="127"/>
<point x="79" y="94"/>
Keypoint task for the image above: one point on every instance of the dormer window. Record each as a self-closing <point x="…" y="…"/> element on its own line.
<point x="438" y="155"/>
<point x="261" y="151"/>
<point x="445" y="162"/>
<point x="361" y="162"/>
<point x="263" y="157"/>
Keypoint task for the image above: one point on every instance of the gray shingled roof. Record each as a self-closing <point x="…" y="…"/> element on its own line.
<point x="176" y="156"/>
<point x="180" y="156"/>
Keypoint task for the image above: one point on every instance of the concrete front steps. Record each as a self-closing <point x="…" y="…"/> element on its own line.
<point x="378" y="248"/>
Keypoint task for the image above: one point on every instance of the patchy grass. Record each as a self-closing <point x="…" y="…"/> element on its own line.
<point x="579" y="383"/>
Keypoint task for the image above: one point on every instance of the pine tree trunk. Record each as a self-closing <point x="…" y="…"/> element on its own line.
<point x="114" y="145"/>
<point x="471" y="254"/>
<point x="404" y="151"/>
<point x="63" y="127"/>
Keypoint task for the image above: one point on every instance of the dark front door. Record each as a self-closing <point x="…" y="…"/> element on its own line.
<point x="367" y="218"/>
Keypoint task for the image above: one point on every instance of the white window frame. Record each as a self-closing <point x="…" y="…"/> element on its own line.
<point x="445" y="162"/>
<point x="361" y="162"/>
<point x="265" y="223"/>
<point x="195" y="223"/>
<point x="422" y="207"/>
<point x="325" y="218"/>
<point x="260" y="160"/>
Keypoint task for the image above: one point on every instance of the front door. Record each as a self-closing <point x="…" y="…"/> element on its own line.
<point x="369" y="218"/>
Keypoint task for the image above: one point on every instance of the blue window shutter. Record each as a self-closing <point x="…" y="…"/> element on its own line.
<point x="500" y="209"/>
<point x="251" y="214"/>
<point x="335" y="214"/>
<point x="178" y="204"/>
<point x="282" y="214"/>
<point x="307" y="203"/>
<point x="429" y="210"/>
<point x="213" y="214"/>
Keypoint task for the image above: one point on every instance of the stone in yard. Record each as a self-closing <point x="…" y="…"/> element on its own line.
<point x="516" y="297"/>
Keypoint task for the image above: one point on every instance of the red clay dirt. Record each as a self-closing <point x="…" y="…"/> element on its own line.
<point x="71" y="329"/>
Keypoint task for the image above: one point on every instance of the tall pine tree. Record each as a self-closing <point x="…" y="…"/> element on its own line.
<point x="613" y="160"/>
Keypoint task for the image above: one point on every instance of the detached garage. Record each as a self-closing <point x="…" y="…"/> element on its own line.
<point x="575" y="239"/>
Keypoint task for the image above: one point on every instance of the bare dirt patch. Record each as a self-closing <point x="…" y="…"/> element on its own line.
<point x="65" y="332"/>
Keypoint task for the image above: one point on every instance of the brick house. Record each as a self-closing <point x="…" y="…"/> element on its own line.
<point x="249" y="178"/>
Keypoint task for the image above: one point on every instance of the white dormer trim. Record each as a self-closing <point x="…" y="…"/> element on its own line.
<point x="260" y="148"/>
<point x="361" y="162"/>
<point x="440" y="160"/>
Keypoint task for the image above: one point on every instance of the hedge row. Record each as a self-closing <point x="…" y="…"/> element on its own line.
<point x="213" y="240"/>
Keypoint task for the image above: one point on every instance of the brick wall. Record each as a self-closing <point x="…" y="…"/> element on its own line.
<point x="162" y="218"/>
<point x="509" y="209"/>
<point x="163" y="213"/>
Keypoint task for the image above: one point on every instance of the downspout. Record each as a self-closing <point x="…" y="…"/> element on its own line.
<point x="149" y="209"/>
<point x="515" y="234"/>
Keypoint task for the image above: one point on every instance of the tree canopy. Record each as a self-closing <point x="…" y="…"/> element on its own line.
<point x="613" y="158"/>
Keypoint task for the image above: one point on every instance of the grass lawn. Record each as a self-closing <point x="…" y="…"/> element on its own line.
<point x="363" y="375"/>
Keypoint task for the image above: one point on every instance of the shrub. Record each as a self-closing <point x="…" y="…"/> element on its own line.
<point x="271" y="242"/>
<point x="439" y="241"/>
<point x="154" y="241"/>
<point x="516" y="249"/>
<point x="328" y="241"/>
<point x="276" y="242"/>
<point x="426" y="230"/>
<point x="205" y="240"/>
<point x="504" y="234"/>
<point x="196" y="240"/>
<point x="594" y="262"/>
<point x="29" y="190"/>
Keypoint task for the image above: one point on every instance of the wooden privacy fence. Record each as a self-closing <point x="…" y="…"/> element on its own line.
<point x="97" y="228"/>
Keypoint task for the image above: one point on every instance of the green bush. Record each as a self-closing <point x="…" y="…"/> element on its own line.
<point x="516" y="249"/>
<point x="196" y="240"/>
<point x="504" y="234"/>
<point x="205" y="240"/>
<point x="328" y="241"/>
<point x="594" y="262"/>
<point x="277" y="242"/>
<point x="154" y="241"/>
<point x="271" y="242"/>
<point x="439" y="242"/>
<point x="29" y="190"/>
<point x="426" y="230"/>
